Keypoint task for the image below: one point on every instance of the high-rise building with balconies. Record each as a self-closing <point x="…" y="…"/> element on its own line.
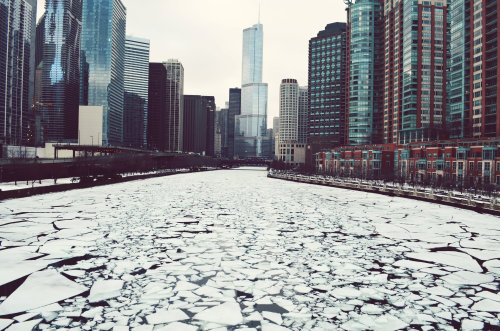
<point x="365" y="51"/>
<point x="474" y="86"/>
<point x="327" y="87"/>
<point x="416" y="55"/>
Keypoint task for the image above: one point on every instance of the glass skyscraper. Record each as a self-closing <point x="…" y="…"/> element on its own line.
<point x="62" y="27"/>
<point x="251" y="125"/>
<point x="366" y="75"/>
<point x="17" y="59"/>
<point x="103" y="59"/>
<point x="233" y="111"/>
<point x="136" y="81"/>
<point x="175" y="104"/>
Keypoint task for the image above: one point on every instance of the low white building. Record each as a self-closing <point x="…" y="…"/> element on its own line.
<point x="292" y="153"/>
<point x="90" y="121"/>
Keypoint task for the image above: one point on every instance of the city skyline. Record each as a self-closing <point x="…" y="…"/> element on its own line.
<point x="210" y="54"/>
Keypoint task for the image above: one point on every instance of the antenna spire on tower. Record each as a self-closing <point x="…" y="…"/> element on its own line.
<point x="260" y="3"/>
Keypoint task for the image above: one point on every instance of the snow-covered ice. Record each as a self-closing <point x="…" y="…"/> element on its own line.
<point x="234" y="250"/>
<point x="40" y="289"/>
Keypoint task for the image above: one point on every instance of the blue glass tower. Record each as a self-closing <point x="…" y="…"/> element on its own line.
<point x="366" y="72"/>
<point x="103" y="59"/>
<point x="61" y="69"/>
<point x="251" y="125"/>
<point x="135" y="117"/>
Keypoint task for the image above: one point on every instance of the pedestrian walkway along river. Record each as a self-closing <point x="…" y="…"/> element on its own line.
<point x="235" y="250"/>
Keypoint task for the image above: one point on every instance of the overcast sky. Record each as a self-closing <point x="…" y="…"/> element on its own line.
<point x="206" y="36"/>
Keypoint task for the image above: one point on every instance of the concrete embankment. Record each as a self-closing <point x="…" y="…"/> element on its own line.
<point x="488" y="206"/>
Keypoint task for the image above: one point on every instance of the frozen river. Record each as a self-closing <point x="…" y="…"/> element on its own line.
<point x="234" y="250"/>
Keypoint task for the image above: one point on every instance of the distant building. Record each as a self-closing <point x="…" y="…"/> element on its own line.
<point x="90" y="125"/>
<point x="234" y="110"/>
<point x="175" y="107"/>
<point x="136" y="83"/>
<point x="289" y="110"/>
<point x="103" y="60"/>
<point x="221" y="123"/>
<point x="251" y="125"/>
<point x="365" y="51"/>
<point x="157" y="129"/>
<point x="39" y="42"/>
<point x="62" y="32"/>
<point x="199" y="124"/>
<point x="211" y="128"/>
<point x="17" y="69"/>
<point x="276" y="134"/>
<point x="293" y="110"/>
<point x="302" y="115"/>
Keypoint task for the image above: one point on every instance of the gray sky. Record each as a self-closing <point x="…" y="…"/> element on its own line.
<point x="206" y="36"/>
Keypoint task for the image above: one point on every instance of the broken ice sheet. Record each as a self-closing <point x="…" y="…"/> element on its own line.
<point x="24" y="326"/>
<point x="40" y="289"/>
<point x="167" y="316"/>
<point x="468" y="278"/>
<point x="228" y="313"/>
<point x="14" y="270"/>
<point x="454" y="259"/>
<point x="105" y="289"/>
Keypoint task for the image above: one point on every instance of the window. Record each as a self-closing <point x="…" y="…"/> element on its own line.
<point x="471" y="166"/>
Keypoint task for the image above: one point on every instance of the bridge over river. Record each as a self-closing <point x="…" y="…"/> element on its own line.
<point x="235" y="250"/>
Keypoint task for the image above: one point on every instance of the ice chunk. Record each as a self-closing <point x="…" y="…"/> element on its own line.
<point x="14" y="270"/>
<point x="273" y="327"/>
<point x="468" y="278"/>
<point x="408" y="264"/>
<point x="167" y="316"/>
<point x="454" y="259"/>
<point x="487" y="305"/>
<point x="345" y="292"/>
<point x="320" y="268"/>
<point x="228" y="313"/>
<point x="4" y="323"/>
<point x="371" y="309"/>
<point x="439" y="290"/>
<point x="24" y="326"/>
<point x="105" y="289"/>
<point x="185" y="286"/>
<point x="177" y="326"/>
<point x="40" y="289"/>
<point x="489" y="295"/>
<point x="273" y="317"/>
<point x="492" y="266"/>
<point x="17" y="254"/>
<point x="302" y="289"/>
<point x="388" y="323"/>
<point x="469" y="325"/>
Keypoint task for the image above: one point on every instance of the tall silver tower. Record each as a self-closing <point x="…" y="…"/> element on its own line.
<point x="251" y="125"/>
